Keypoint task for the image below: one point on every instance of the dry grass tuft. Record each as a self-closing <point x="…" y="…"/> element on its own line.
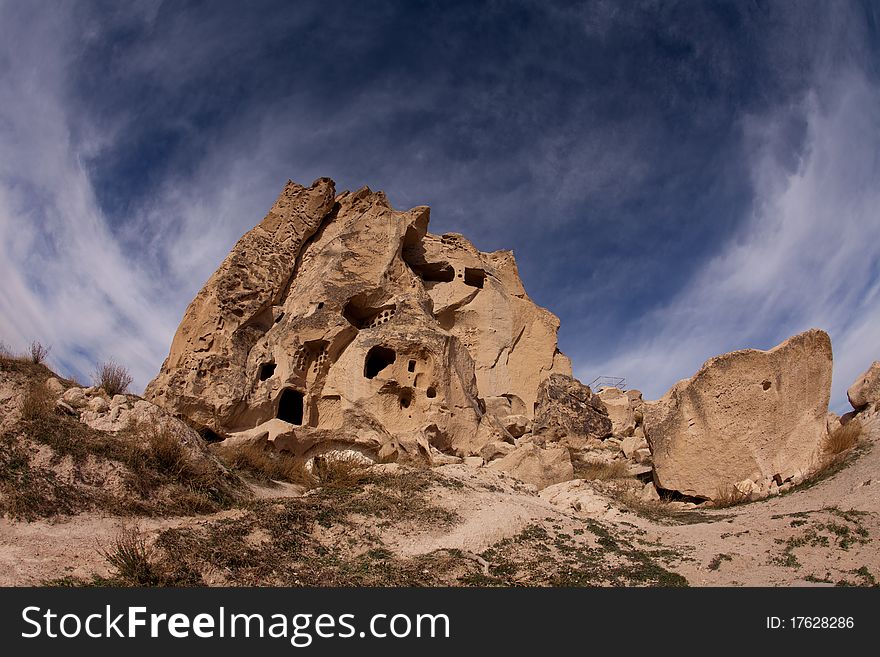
<point x="113" y="377"/>
<point x="843" y="438"/>
<point x="264" y="463"/>
<point x="132" y="559"/>
<point x="36" y="403"/>
<point x="730" y="495"/>
<point x="340" y="472"/>
<point x="38" y="352"/>
<point x="601" y="470"/>
<point x="136" y="564"/>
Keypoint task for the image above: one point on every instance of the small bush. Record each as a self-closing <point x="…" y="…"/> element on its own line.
<point x="843" y="438"/>
<point x="38" y="352"/>
<point x="113" y="377"/>
<point x="35" y="403"/>
<point x="601" y="470"/>
<point x="5" y="351"/>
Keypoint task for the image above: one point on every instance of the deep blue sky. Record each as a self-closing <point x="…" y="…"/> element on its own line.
<point x="677" y="179"/>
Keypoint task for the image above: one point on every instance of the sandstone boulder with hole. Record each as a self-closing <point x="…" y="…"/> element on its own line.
<point x="340" y="317"/>
<point x="751" y="414"/>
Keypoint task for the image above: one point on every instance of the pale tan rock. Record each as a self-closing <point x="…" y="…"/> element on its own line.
<point x="620" y="411"/>
<point x="65" y="408"/>
<point x="495" y="450"/>
<point x="638" y="469"/>
<point x="649" y="493"/>
<point x="344" y="319"/>
<point x="98" y="405"/>
<point x="516" y="425"/>
<point x="473" y="461"/>
<point x="642" y="455"/>
<point x="748" y="414"/>
<point x="866" y="389"/>
<point x="54" y="386"/>
<point x="631" y="444"/>
<point x="535" y="465"/>
<point x="578" y="496"/>
<point x="76" y="397"/>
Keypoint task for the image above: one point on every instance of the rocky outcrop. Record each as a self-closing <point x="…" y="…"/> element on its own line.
<point x="747" y="415"/>
<point x="566" y="408"/>
<point x="866" y="389"/>
<point x="339" y="322"/>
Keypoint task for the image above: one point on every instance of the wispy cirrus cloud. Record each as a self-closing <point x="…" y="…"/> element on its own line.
<point x="806" y="257"/>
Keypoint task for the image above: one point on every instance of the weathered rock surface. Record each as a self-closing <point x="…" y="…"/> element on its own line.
<point x="535" y="465"/>
<point x="620" y="410"/>
<point x="866" y="389"/>
<point x="751" y="414"/>
<point x="567" y="408"/>
<point x="339" y="322"/>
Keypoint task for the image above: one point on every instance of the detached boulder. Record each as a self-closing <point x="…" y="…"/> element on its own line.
<point x="751" y="414"/>
<point x="566" y="407"/>
<point x="535" y="465"/>
<point x="866" y="389"/>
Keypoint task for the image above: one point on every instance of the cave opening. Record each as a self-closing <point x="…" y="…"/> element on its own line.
<point x="266" y="371"/>
<point x="378" y="358"/>
<point x="290" y="406"/>
<point x="474" y="277"/>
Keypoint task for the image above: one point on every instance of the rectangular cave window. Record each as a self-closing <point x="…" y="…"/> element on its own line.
<point x="474" y="277"/>
<point x="266" y="370"/>
<point x="290" y="406"/>
<point x="412" y="366"/>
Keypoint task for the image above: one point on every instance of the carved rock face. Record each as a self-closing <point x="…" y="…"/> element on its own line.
<point x="340" y="322"/>
<point x="747" y="415"/>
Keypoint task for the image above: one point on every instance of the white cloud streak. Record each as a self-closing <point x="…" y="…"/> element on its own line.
<point x="807" y="256"/>
<point x="66" y="282"/>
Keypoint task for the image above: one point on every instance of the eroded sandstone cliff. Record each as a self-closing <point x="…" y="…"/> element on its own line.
<point x="339" y="322"/>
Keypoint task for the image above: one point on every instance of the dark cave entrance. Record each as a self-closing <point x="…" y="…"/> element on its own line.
<point x="378" y="358"/>
<point x="266" y="371"/>
<point x="290" y="406"/>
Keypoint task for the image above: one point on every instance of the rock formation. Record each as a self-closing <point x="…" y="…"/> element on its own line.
<point x="567" y="408"/>
<point x="746" y="416"/>
<point x="341" y="323"/>
<point x="866" y="389"/>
